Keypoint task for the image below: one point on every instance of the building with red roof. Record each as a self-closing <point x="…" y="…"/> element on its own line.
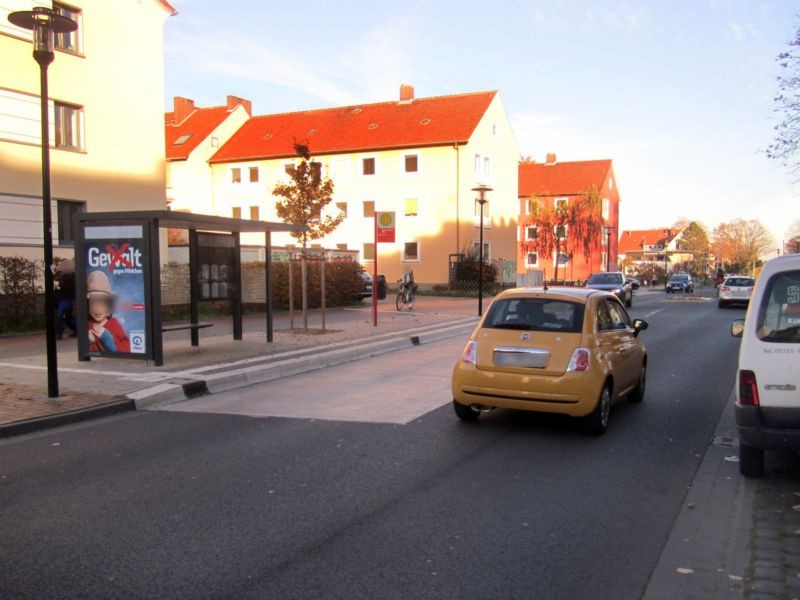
<point x="416" y="157"/>
<point x="555" y="182"/>
<point x="650" y="251"/>
<point x="192" y="135"/>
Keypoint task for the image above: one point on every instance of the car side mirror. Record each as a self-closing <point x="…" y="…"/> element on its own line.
<point x="639" y="325"/>
<point x="737" y="328"/>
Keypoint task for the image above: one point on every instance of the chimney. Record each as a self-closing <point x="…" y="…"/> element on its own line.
<point x="182" y="108"/>
<point x="234" y="101"/>
<point x="551" y="158"/>
<point x="406" y="93"/>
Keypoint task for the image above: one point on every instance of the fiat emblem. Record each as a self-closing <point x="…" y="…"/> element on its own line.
<point x="525" y="336"/>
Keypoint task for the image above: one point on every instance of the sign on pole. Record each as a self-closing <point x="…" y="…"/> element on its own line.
<point x="385" y="225"/>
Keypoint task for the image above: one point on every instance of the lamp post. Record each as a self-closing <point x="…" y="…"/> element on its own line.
<point x="44" y="22"/>
<point x="481" y="189"/>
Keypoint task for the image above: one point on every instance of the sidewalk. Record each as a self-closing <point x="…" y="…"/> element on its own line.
<point x="218" y="363"/>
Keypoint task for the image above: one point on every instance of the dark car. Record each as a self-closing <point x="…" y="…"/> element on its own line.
<point x="366" y="286"/>
<point x="613" y="282"/>
<point x="680" y="282"/>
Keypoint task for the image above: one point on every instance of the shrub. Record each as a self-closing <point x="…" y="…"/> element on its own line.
<point x="342" y="284"/>
<point x="19" y="294"/>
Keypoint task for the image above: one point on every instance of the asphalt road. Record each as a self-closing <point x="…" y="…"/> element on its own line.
<point x="202" y="505"/>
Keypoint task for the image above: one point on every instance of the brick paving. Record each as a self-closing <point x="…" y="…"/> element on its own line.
<point x="21" y="402"/>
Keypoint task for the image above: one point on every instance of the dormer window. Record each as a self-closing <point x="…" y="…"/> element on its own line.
<point x="182" y="139"/>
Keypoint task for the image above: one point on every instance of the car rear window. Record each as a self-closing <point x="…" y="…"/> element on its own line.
<point x="605" y="278"/>
<point x="679" y="278"/>
<point x="740" y="282"/>
<point x="779" y="313"/>
<point x="535" y="314"/>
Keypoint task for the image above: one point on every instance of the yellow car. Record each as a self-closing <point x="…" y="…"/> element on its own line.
<point x="573" y="351"/>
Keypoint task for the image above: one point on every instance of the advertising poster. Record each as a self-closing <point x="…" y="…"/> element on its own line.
<point x="115" y="290"/>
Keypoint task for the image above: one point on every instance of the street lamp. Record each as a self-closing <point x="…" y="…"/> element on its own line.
<point x="44" y="22"/>
<point x="481" y="189"/>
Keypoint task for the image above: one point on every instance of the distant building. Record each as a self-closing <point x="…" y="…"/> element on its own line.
<point x="555" y="182"/>
<point x="106" y="93"/>
<point x="417" y="157"/>
<point x="653" y="247"/>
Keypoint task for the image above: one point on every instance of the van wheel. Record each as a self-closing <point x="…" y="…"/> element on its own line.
<point x="596" y="422"/>
<point x="464" y="412"/>
<point x="629" y="303"/>
<point x="751" y="461"/>
<point x="721" y="304"/>
<point x="637" y="395"/>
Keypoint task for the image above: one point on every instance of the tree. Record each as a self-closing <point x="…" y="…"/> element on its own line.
<point x="305" y="197"/>
<point x="785" y="148"/>
<point x="694" y="240"/>
<point x="792" y="243"/>
<point x="740" y="243"/>
<point x="563" y="228"/>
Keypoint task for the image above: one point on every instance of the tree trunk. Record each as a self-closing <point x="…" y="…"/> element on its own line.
<point x="322" y="270"/>
<point x="291" y="294"/>
<point x="304" y="290"/>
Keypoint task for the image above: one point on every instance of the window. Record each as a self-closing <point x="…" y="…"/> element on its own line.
<point x="236" y="175"/>
<point x="254" y="213"/>
<point x="369" y="208"/>
<point x="68" y="126"/>
<point x="478" y="164"/>
<point x="342" y="206"/>
<point x="66" y="214"/>
<point x="288" y="168"/>
<point x="779" y="313"/>
<point x="532" y="232"/>
<point x="341" y="246"/>
<point x="532" y="259"/>
<point x="316" y="170"/>
<point x="71" y="40"/>
<point x="236" y="212"/>
<point x="561" y="203"/>
<point x="411" y="163"/>
<point x="478" y="211"/>
<point x="606" y="208"/>
<point x="487" y="167"/>
<point x="476" y="246"/>
<point x="369" y="251"/>
<point x="410" y="209"/>
<point x="368" y="166"/>
<point x="182" y="139"/>
<point x="214" y="142"/>
<point x="603" y="260"/>
<point x="253" y="174"/>
<point x="561" y="232"/>
<point x="535" y="314"/>
<point x="411" y="252"/>
<point x="340" y="168"/>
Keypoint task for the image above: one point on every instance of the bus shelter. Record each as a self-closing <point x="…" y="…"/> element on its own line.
<point x="118" y="278"/>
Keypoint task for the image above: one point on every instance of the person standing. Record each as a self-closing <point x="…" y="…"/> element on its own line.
<point x="65" y="298"/>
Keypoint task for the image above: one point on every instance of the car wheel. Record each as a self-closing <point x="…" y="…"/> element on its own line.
<point x="751" y="461"/>
<point x="637" y="395"/>
<point x="721" y="304"/>
<point x="464" y="412"/>
<point x="596" y="422"/>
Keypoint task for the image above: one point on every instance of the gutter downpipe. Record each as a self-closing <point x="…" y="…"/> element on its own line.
<point x="458" y="198"/>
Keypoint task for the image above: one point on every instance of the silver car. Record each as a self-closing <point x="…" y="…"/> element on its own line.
<point x="736" y="289"/>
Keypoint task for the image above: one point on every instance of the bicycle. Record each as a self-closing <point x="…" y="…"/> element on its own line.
<point x="405" y="294"/>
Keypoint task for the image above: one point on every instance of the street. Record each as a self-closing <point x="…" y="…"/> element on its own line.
<point x="358" y="481"/>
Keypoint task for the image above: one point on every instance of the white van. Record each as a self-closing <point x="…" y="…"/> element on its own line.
<point x="768" y="394"/>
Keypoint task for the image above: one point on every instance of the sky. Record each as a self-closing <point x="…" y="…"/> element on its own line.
<point x="678" y="93"/>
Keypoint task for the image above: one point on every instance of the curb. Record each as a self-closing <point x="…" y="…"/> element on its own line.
<point x="66" y="418"/>
<point x="185" y="389"/>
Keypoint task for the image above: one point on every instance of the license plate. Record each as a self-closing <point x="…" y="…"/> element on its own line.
<point x="510" y="356"/>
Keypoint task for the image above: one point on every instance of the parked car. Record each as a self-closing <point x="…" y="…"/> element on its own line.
<point x="573" y="351"/>
<point x="680" y="282"/>
<point x="366" y="289"/>
<point x="613" y="282"/>
<point x="768" y="396"/>
<point x="736" y="289"/>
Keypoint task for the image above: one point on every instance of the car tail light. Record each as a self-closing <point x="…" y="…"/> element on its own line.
<point x="579" y="361"/>
<point x="749" y="289"/>
<point x="724" y="288"/>
<point x="748" y="389"/>
<point x="470" y="353"/>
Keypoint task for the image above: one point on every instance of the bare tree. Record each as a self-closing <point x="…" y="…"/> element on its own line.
<point x="786" y="146"/>
<point x="740" y="243"/>
<point x="791" y="244"/>
<point x="563" y="228"/>
<point x="304" y="199"/>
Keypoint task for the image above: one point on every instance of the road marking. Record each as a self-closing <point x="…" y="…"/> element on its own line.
<point x="650" y="314"/>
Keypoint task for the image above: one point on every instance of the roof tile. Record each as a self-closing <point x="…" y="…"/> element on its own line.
<point x="561" y="178"/>
<point x="198" y="126"/>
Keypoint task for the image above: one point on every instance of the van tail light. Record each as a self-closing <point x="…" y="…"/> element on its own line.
<point x="470" y="353"/>
<point x="579" y="361"/>
<point x="748" y="389"/>
<point x="749" y="289"/>
<point x="724" y="288"/>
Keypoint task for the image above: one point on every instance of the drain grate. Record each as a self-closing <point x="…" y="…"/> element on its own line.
<point x="725" y="440"/>
<point x="195" y="389"/>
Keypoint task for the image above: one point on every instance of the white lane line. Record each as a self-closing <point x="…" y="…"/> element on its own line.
<point x="650" y="314"/>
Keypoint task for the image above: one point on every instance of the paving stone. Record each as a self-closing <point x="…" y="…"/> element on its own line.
<point x="768" y="533"/>
<point x="772" y="555"/>
<point x="768" y="586"/>
<point x="762" y="596"/>
<point x="773" y="573"/>
<point x="768" y="544"/>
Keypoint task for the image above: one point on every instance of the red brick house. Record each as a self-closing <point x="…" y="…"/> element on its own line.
<point x="554" y="182"/>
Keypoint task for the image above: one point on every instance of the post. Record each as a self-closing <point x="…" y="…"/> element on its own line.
<point x="47" y="229"/>
<point x="291" y="293"/>
<point x="322" y="270"/>
<point x="237" y="296"/>
<point x="480" y="265"/>
<point x="268" y="282"/>
<point x="194" y="280"/>
<point x="375" y="269"/>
